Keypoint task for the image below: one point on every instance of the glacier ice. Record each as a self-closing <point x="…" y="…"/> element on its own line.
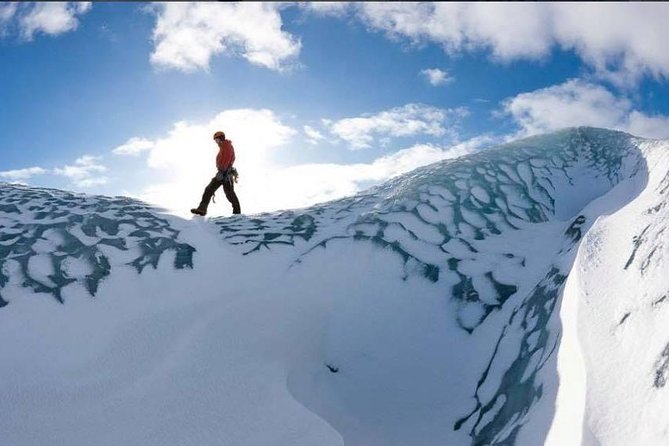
<point x="433" y="295"/>
<point x="82" y="227"/>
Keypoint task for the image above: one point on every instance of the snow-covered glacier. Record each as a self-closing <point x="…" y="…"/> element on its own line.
<point x="516" y="296"/>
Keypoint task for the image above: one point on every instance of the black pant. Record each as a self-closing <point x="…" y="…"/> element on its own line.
<point x="228" y="188"/>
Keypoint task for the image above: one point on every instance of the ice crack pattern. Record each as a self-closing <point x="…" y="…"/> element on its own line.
<point x="461" y="225"/>
<point x="649" y="244"/>
<point x="74" y="238"/>
<point x="497" y="419"/>
<point x="445" y="221"/>
<point x="438" y="218"/>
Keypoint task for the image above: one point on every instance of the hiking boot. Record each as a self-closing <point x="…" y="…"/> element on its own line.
<point x="198" y="211"/>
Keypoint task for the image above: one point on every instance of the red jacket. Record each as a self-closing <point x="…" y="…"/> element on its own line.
<point x="226" y="155"/>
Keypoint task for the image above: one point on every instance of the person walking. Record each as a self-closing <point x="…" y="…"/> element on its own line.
<point x="225" y="177"/>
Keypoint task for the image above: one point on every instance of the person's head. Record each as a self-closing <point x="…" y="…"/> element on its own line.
<point x="219" y="137"/>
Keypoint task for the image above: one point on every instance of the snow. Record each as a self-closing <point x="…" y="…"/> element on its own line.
<point x="567" y="425"/>
<point x="623" y="335"/>
<point x="480" y="194"/>
<point x="514" y="296"/>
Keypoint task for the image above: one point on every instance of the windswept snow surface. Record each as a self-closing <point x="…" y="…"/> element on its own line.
<point x="518" y="296"/>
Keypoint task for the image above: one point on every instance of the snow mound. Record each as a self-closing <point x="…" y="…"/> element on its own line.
<point x="498" y="298"/>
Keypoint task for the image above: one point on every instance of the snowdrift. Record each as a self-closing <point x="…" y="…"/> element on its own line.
<point x="517" y="296"/>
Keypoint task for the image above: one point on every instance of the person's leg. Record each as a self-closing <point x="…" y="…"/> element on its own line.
<point x="208" y="193"/>
<point x="229" y="189"/>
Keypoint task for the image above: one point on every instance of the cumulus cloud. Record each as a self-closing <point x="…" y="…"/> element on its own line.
<point x="418" y="155"/>
<point x="51" y="18"/>
<point x="85" y="172"/>
<point x="134" y="147"/>
<point x="408" y="120"/>
<point x="626" y="43"/>
<point x="650" y="126"/>
<point x="579" y="103"/>
<point x="313" y="135"/>
<point x="21" y="175"/>
<point x="437" y="77"/>
<point x="510" y="30"/>
<point x="307" y="184"/>
<point x="333" y="9"/>
<point x="180" y="165"/>
<point x="256" y="132"/>
<point x="187" y="35"/>
<point x="7" y="11"/>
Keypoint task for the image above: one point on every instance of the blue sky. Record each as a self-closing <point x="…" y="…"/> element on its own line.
<point x="319" y="99"/>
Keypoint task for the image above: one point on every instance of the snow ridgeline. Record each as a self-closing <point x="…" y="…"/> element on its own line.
<point x="493" y="299"/>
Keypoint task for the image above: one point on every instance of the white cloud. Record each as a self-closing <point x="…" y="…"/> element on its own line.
<point x="510" y="30"/>
<point x="621" y="41"/>
<point x="187" y="35"/>
<point x="22" y="174"/>
<point x="255" y="132"/>
<point x="573" y="103"/>
<point x="91" y="182"/>
<point x="333" y="9"/>
<point x="7" y="11"/>
<point x="406" y="160"/>
<point x="627" y="42"/>
<point x="578" y="103"/>
<point x="134" y="147"/>
<point x="313" y="135"/>
<point x="85" y="172"/>
<point x="641" y="124"/>
<point x="51" y="18"/>
<point x="408" y="120"/>
<point x="308" y="184"/>
<point x="437" y="77"/>
<point x="181" y="164"/>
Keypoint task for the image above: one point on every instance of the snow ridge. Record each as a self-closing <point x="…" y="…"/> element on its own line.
<point x="422" y="311"/>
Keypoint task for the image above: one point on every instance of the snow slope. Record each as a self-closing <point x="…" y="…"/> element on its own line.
<point x="514" y="296"/>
